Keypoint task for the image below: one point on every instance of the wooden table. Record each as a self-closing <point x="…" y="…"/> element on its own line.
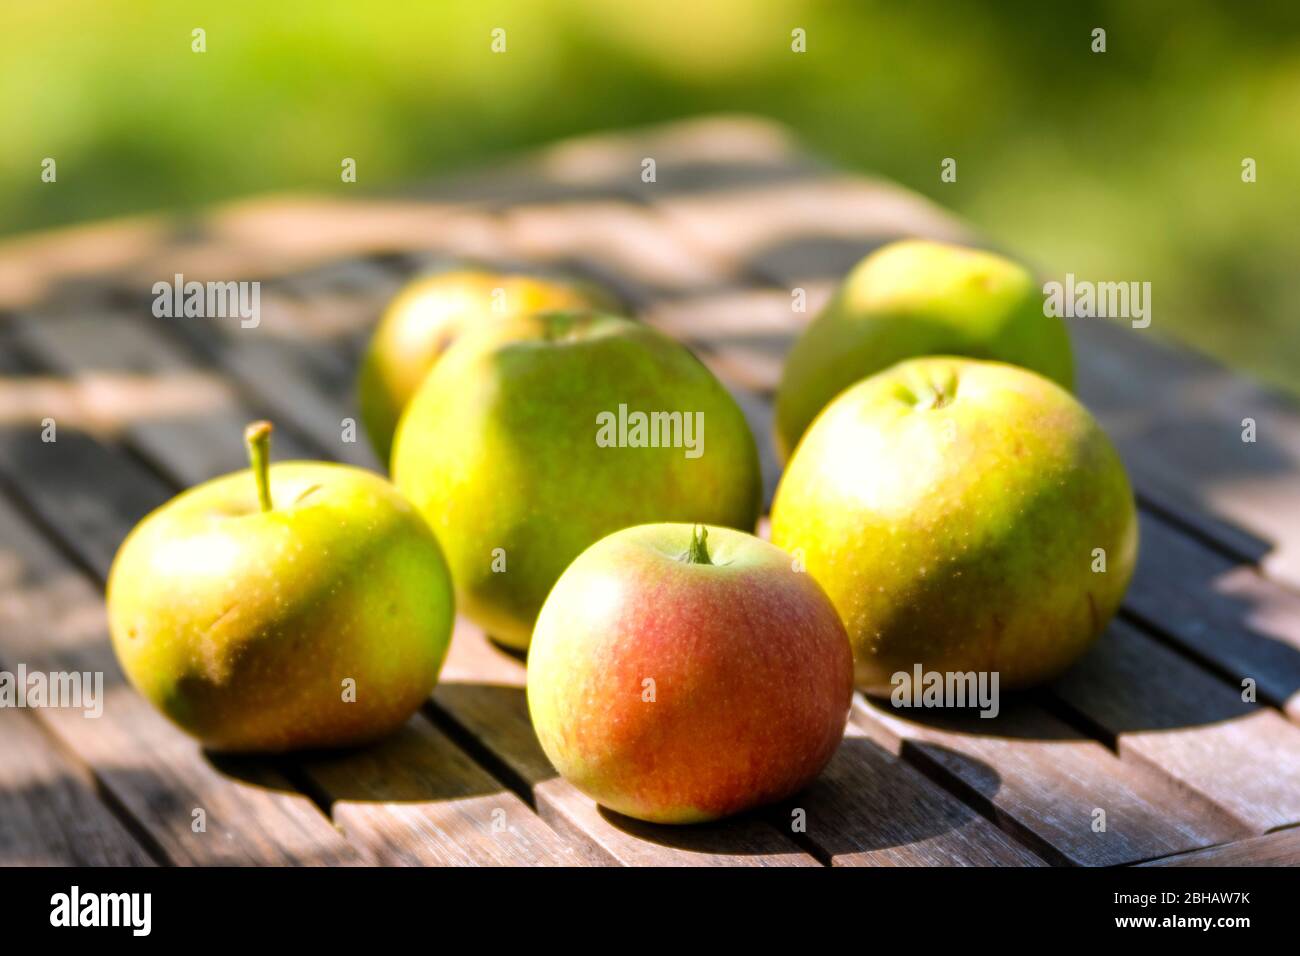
<point x="1150" y="729"/>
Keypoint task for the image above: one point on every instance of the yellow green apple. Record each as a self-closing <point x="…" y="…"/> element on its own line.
<point x="682" y="674"/>
<point x="914" y="298"/>
<point x="534" y="438"/>
<point x="429" y="314"/>
<point x="964" y="516"/>
<point x="296" y="605"/>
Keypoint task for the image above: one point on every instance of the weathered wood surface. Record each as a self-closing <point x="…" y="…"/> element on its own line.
<point x="49" y="812"/>
<point x="1274" y="849"/>
<point x="417" y="798"/>
<point x="1149" y="734"/>
<point x="1046" y="782"/>
<point x="1165" y="712"/>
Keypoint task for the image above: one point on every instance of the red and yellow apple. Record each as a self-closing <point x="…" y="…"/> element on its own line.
<point x="678" y="675"/>
<point x="963" y="516"/>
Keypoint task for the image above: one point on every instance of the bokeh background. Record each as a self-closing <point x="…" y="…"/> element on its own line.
<point x="1117" y="166"/>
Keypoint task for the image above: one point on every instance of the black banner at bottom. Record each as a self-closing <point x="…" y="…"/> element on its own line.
<point x="335" y="905"/>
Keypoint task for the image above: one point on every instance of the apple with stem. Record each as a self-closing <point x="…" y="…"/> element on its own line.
<point x="679" y="674"/>
<point x="433" y="311"/>
<point x="296" y="605"/>
<point x="963" y="516"/>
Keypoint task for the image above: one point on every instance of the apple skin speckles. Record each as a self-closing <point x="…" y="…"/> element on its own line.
<point x="962" y="538"/>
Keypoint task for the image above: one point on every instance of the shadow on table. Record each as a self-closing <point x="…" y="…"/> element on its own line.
<point x="865" y="802"/>
<point x="416" y="764"/>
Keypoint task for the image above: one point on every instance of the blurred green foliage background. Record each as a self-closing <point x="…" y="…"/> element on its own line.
<point x="1123" y="166"/>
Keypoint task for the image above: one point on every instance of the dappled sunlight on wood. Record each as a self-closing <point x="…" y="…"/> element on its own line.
<point x="67" y="621"/>
<point x="305" y="228"/>
<point x="738" y="226"/>
<point x="620" y="236"/>
<point x="108" y="403"/>
<point x="744" y="312"/>
<point x="30" y="267"/>
<point x="472" y="658"/>
<point x="746" y="332"/>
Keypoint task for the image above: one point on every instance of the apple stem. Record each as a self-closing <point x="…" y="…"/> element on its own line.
<point x="257" y="436"/>
<point x="699" y="553"/>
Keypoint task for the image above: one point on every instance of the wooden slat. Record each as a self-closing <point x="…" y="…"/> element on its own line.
<point x="418" y="799"/>
<point x="59" y="480"/>
<point x="868" y="808"/>
<point x="1272" y="849"/>
<point x="816" y="227"/>
<point x="187" y="421"/>
<point x="1177" y="419"/>
<point x="276" y="368"/>
<point x="1222" y="610"/>
<point x="1167" y="713"/>
<point x="748" y="331"/>
<point x="52" y="619"/>
<point x="258" y="239"/>
<point x="621" y="242"/>
<point x="1044" y="781"/>
<point x="49" y="813"/>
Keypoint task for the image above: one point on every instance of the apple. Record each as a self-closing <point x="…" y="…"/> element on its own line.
<point x="962" y="515"/>
<point x="299" y="605"/>
<point x="531" y="440"/>
<point x="678" y="675"/>
<point x="914" y="298"/>
<point x="429" y="314"/>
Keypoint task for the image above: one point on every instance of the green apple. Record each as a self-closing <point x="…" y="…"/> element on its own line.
<point x="964" y="516"/>
<point x="304" y="604"/>
<point x="429" y="314"/>
<point x="678" y="676"/>
<point x="522" y="448"/>
<point x="914" y="298"/>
